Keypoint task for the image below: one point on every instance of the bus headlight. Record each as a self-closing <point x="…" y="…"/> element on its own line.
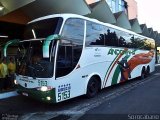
<point x="48" y="98"/>
<point x="44" y="88"/>
<point x="15" y="82"/>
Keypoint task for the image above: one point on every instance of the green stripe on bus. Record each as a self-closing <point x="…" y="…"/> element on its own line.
<point x="37" y="94"/>
<point x="117" y="72"/>
<point x="109" y="69"/>
<point x="115" y="76"/>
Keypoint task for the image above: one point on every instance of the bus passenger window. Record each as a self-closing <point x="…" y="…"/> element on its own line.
<point x="70" y="47"/>
<point x="95" y="34"/>
<point x="111" y="38"/>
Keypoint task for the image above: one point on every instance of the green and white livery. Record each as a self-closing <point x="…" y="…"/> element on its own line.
<point x="66" y="55"/>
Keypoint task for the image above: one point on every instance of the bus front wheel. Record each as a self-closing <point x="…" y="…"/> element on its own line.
<point x="92" y="88"/>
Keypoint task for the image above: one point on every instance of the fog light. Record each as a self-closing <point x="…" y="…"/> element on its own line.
<point x="44" y="88"/>
<point x="48" y="98"/>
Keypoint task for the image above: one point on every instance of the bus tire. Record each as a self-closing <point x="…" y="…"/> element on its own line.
<point x="92" y="87"/>
<point x="147" y="71"/>
<point x="143" y="73"/>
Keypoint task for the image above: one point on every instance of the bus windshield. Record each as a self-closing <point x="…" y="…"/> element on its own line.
<point x="30" y="53"/>
<point x="30" y="60"/>
<point x="43" y="28"/>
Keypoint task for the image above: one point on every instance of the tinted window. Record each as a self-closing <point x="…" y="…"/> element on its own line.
<point x="95" y="34"/>
<point x="30" y="61"/>
<point x="125" y="39"/>
<point x="70" y="46"/>
<point x="102" y="35"/>
<point x="149" y="44"/>
<point x="74" y="30"/>
<point x="42" y="28"/>
<point x="111" y="38"/>
<point x="68" y="56"/>
<point x="137" y="42"/>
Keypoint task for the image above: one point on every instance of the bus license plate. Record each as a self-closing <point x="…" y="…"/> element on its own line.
<point x="25" y="94"/>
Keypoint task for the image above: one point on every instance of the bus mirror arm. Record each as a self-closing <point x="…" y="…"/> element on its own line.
<point x="53" y="37"/>
<point x="15" y="41"/>
<point x="47" y="42"/>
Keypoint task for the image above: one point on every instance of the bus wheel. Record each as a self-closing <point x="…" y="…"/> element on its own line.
<point x="147" y="71"/>
<point x="92" y="88"/>
<point x="143" y="74"/>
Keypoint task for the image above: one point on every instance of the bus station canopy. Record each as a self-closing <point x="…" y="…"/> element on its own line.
<point x="145" y="30"/>
<point x="38" y="8"/>
<point x="135" y="26"/>
<point x="101" y="11"/>
<point x="156" y="36"/>
<point x="12" y="5"/>
<point x="48" y="7"/>
<point x="159" y="36"/>
<point x="122" y="20"/>
<point x="158" y="39"/>
<point x="151" y="33"/>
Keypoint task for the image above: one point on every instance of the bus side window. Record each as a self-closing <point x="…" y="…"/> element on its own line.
<point x="70" y="46"/>
<point x="77" y="50"/>
<point x="95" y="34"/>
<point x="111" y="38"/>
<point x="64" y="61"/>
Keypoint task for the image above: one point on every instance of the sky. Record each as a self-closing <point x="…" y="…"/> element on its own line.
<point x="149" y="13"/>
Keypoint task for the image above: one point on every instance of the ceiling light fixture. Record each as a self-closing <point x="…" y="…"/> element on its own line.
<point x="1" y="8"/>
<point x="2" y="36"/>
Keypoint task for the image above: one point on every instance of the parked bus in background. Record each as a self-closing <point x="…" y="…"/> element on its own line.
<point x="64" y="56"/>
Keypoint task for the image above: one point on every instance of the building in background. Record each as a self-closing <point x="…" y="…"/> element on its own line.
<point x="117" y="5"/>
<point x="90" y="1"/>
<point x="132" y="9"/>
<point x="128" y="6"/>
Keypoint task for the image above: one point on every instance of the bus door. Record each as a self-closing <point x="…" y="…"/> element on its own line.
<point x="67" y="59"/>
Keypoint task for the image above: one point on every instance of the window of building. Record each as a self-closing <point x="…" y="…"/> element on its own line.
<point x="116" y="5"/>
<point x="112" y="5"/>
<point x="121" y="5"/>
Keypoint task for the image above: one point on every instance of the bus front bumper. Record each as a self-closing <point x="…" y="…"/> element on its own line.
<point x="45" y="96"/>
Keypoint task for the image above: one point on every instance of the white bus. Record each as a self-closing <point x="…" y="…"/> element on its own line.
<point x="64" y="56"/>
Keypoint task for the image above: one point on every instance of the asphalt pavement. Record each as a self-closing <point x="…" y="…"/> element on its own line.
<point x="142" y="102"/>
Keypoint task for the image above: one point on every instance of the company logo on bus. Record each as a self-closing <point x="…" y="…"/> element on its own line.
<point x="119" y="51"/>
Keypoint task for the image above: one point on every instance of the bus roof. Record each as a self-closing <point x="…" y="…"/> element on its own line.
<point x="66" y="16"/>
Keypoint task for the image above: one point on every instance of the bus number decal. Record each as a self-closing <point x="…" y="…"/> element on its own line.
<point x="64" y="92"/>
<point x="42" y="83"/>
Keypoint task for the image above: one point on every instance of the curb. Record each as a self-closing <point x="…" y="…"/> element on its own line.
<point x="8" y="94"/>
<point x="157" y="64"/>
